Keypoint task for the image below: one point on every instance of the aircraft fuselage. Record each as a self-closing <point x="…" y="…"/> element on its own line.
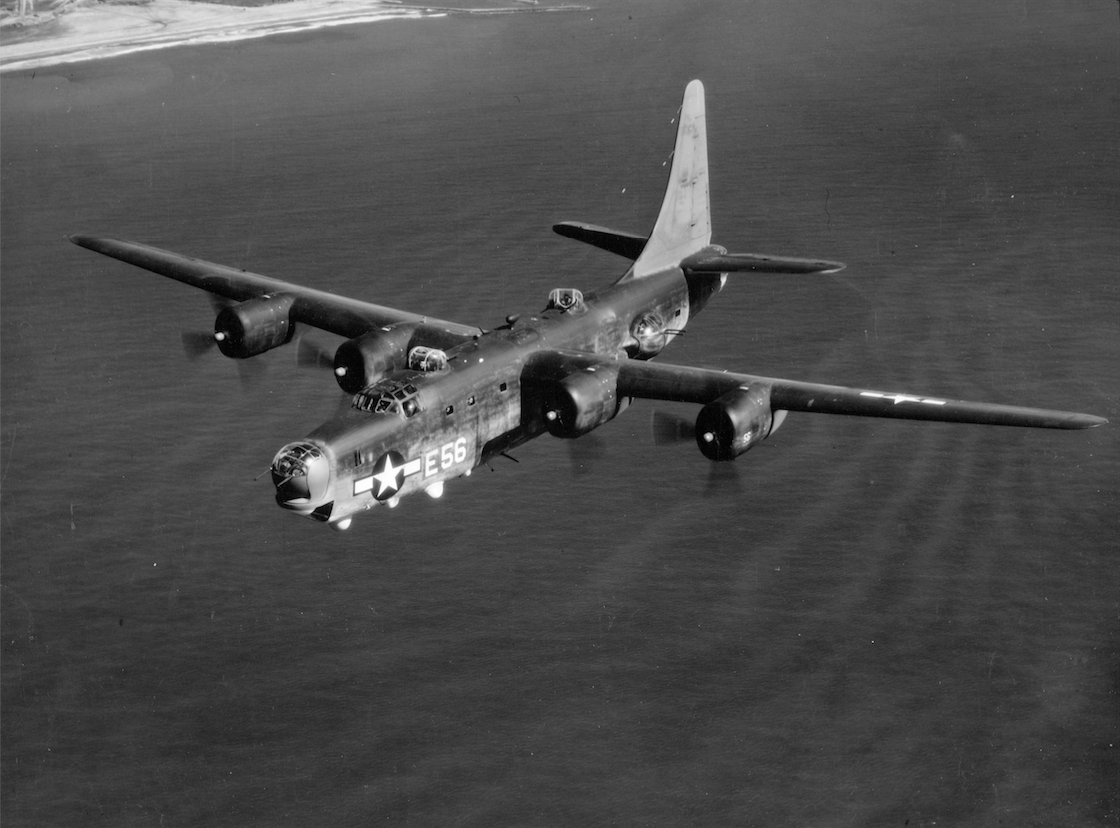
<point x="494" y="393"/>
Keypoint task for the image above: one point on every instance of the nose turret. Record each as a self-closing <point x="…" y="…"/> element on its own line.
<point x="301" y="473"/>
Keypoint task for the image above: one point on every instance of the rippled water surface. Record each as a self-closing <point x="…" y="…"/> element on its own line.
<point x="860" y="623"/>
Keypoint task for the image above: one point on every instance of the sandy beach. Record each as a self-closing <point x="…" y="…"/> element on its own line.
<point x="84" y="30"/>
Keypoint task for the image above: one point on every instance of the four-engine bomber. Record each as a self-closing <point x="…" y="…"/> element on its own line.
<point x="432" y="400"/>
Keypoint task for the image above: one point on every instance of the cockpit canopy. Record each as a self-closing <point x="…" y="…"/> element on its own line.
<point x="565" y="299"/>
<point x="389" y="396"/>
<point x="428" y="360"/>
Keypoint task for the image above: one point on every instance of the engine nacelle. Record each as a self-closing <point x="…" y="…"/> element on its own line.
<point x="362" y="361"/>
<point x="581" y="401"/>
<point x="254" y="326"/>
<point x="729" y="426"/>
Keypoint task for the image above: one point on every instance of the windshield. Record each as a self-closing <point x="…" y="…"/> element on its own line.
<point x="389" y="396"/>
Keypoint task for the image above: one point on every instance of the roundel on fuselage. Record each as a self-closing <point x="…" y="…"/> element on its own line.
<point x="388" y="475"/>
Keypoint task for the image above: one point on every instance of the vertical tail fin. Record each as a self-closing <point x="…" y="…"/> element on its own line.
<point x="684" y="225"/>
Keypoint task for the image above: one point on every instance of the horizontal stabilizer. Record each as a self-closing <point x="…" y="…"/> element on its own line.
<point x="707" y="261"/>
<point x="623" y="244"/>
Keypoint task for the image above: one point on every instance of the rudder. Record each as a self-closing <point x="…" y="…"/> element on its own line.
<point x="684" y="225"/>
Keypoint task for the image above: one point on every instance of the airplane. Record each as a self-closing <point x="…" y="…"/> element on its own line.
<point x="432" y="400"/>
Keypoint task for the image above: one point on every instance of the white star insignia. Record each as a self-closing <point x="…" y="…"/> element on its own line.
<point x="901" y="398"/>
<point x="388" y="479"/>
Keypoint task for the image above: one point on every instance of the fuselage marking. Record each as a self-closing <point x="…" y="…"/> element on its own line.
<point x="901" y="398"/>
<point x="391" y="469"/>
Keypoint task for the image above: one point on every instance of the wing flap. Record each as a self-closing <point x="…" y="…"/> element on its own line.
<point x="317" y="308"/>
<point x="678" y="383"/>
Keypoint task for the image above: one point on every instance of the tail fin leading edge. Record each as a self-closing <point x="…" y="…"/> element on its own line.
<point x="684" y="225"/>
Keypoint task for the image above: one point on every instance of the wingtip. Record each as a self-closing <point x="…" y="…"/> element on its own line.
<point x="98" y="244"/>
<point x="1084" y="421"/>
<point x="82" y="240"/>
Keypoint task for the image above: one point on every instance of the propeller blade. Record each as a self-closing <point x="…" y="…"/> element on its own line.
<point x="250" y="371"/>
<point x="313" y="355"/>
<point x="669" y="429"/>
<point x="584" y="452"/>
<point x="219" y="303"/>
<point x="197" y="343"/>
<point x="723" y="477"/>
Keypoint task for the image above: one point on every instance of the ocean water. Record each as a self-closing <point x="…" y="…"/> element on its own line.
<point x="859" y="623"/>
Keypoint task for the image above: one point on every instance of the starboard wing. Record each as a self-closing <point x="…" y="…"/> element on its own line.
<point x="679" y="383"/>
<point x="317" y="308"/>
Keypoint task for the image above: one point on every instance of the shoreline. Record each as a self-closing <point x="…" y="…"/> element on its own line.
<point x="80" y="30"/>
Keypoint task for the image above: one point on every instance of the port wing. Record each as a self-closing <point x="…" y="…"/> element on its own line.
<point x="317" y="308"/>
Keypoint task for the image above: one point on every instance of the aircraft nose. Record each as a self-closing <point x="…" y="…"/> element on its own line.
<point x="301" y="474"/>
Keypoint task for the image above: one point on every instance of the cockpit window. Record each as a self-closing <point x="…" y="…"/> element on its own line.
<point x="389" y="396"/>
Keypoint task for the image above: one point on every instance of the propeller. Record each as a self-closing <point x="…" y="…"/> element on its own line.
<point x="584" y="452"/>
<point x="669" y="429"/>
<point x="250" y="371"/>
<point x="197" y="343"/>
<point x="310" y="354"/>
<point x="723" y="477"/>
